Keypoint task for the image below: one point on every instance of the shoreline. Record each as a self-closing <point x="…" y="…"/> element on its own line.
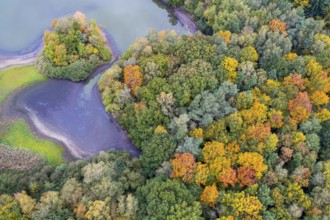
<point x="183" y="17"/>
<point x="69" y="152"/>
<point x="17" y="60"/>
<point x="134" y="153"/>
<point x="9" y="112"/>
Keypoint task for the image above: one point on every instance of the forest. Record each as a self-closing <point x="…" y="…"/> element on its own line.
<point x="232" y="122"/>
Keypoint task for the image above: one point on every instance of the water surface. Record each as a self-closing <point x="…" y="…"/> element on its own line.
<point x="73" y="112"/>
<point x="22" y="22"/>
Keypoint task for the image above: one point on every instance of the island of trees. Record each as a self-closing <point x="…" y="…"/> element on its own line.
<point x="74" y="49"/>
<point x="232" y="125"/>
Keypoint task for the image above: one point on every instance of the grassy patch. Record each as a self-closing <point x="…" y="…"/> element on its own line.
<point x="16" y="77"/>
<point x="19" y="135"/>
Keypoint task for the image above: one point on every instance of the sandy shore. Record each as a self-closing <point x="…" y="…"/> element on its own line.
<point x="7" y="61"/>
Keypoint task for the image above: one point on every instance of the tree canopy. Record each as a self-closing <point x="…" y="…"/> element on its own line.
<point x="73" y="49"/>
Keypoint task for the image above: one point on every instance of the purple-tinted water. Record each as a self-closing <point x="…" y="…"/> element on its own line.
<point x="73" y="112"/>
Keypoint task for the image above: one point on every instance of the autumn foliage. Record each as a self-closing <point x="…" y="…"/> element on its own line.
<point x="230" y="64"/>
<point x="202" y="174"/>
<point x="246" y="176"/>
<point x="319" y="98"/>
<point x="276" y="119"/>
<point x="238" y="118"/>
<point x="254" y="160"/>
<point x="73" y="49"/>
<point x="133" y="78"/>
<point x="213" y="150"/>
<point x="290" y="56"/>
<point x="196" y="133"/>
<point x="277" y="25"/>
<point x="184" y="166"/>
<point x="225" y="35"/>
<point x="246" y="108"/>
<point x="243" y="205"/>
<point x="210" y="195"/>
<point x="300" y="107"/>
<point x="228" y="177"/>
<point x="295" y="80"/>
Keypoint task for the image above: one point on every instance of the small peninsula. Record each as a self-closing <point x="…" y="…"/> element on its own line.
<point x="73" y="49"/>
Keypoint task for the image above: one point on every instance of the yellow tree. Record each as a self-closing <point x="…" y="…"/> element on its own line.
<point x="249" y="53"/>
<point x="323" y="37"/>
<point x="243" y="206"/>
<point x="290" y="56"/>
<point x="295" y="194"/>
<point x="320" y="98"/>
<point x="318" y="82"/>
<point x="254" y="160"/>
<point x="213" y="150"/>
<point x="210" y="195"/>
<point x="302" y="3"/>
<point x="196" y="133"/>
<point x="225" y="35"/>
<point x="27" y="204"/>
<point x="232" y="150"/>
<point x="313" y="67"/>
<point x="230" y="64"/>
<point x="60" y="55"/>
<point x="323" y="115"/>
<point x="98" y="210"/>
<point x="256" y="114"/>
<point x="202" y="174"/>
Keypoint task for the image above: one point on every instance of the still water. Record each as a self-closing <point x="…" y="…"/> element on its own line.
<point x="72" y="112"/>
<point x="22" y="22"/>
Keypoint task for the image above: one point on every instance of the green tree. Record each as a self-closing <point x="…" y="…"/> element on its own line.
<point x="168" y="199"/>
<point x="207" y="107"/>
<point x="159" y="148"/>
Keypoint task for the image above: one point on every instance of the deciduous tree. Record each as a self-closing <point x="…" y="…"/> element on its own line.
<point x="210" y="195"/>
<point x="184" y="166"/>
<point x="133" y="77"/>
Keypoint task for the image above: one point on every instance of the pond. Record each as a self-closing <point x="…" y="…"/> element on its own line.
<point x="73" y="112"/>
